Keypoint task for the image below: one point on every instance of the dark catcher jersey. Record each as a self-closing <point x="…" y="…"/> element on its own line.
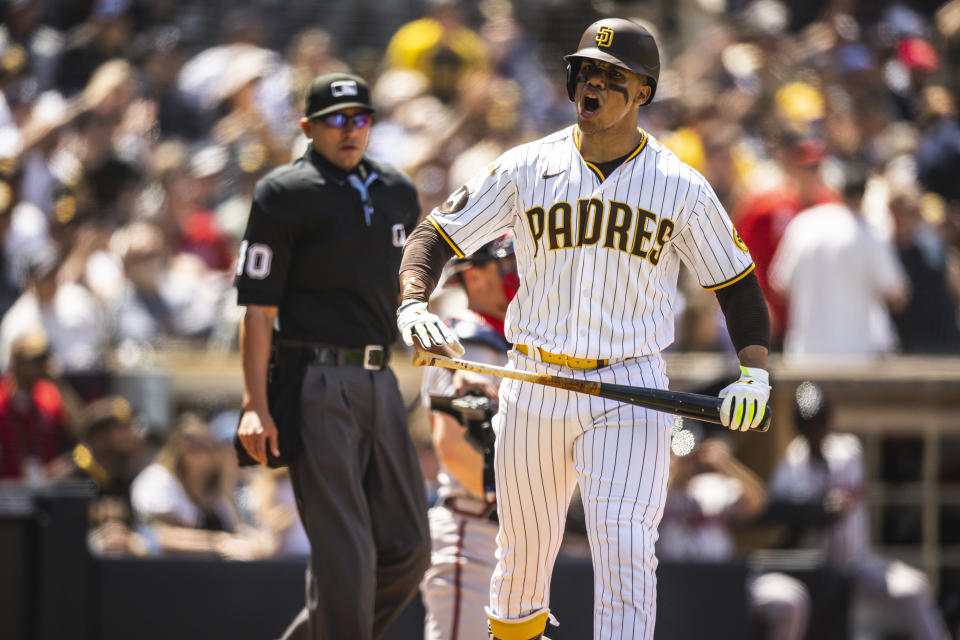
<point x="309" y="251"/>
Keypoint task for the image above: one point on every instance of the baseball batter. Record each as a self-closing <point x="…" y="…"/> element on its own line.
<point x="602" y="217"/>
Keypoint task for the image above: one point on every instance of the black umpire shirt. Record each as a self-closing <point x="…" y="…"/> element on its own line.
<point x="309" y="251"/>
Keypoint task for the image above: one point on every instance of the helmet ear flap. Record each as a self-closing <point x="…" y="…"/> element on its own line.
<point x="573" y="70"/>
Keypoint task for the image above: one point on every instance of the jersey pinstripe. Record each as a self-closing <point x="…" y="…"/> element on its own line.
<point x="605" y="252"/>
<point x="549" y="439"/>
<point x="598" y="258"/>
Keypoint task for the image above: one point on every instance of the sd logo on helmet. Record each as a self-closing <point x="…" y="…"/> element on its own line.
<point x="617" y="41"/>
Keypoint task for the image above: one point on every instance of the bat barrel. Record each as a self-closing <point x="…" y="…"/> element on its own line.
<point x="687" y="405"/>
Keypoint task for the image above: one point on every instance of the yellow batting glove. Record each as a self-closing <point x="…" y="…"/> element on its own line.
<point x="745" y="401"/>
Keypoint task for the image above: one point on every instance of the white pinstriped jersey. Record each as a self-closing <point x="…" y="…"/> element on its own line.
<point x="796" y="478"/>
<point x="598" y="258"/>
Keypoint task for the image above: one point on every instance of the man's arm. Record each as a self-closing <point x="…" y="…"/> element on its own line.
<point x="716" y="455"/>
<point x="754" y="355"/>
<point x="748" y="323"/>
<point x="424" y="255"/>
<point x="256" y="424"/>
<point x="459" y="458"/>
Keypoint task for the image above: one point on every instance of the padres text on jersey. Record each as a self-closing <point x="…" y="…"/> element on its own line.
<point x="611" y="245"/>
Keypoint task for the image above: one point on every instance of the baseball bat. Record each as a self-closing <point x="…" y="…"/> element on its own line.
<point x="687" y="405"/>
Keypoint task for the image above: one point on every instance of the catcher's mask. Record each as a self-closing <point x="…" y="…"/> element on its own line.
<point x="500" y="250"/>
<point x="620" y="42"/>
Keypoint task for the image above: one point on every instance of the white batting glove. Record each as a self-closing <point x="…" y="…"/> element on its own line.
<point x="414" y="319"/>
<point x="745" y="401"/>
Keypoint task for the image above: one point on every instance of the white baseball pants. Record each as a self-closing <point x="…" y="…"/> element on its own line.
<point x="548" y="439"/>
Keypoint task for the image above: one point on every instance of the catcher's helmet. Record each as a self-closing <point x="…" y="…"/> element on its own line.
<point x="497" y="249"/>
<point x="617" y="41"/>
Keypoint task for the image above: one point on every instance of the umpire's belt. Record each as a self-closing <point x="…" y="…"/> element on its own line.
<point x="372" y="357"/>
<point x="566" y="361"/>
<point x="489" y="512"/>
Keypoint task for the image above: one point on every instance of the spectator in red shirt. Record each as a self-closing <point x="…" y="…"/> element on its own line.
<point x="762" y="215"/>
<point x="32" y="415"/>
<point x="195" y="192"/>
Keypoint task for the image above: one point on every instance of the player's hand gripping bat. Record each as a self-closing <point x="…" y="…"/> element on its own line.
<point x="688" y="405"/>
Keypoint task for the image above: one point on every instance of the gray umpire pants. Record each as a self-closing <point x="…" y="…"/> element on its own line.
<point x="361" y="498"/>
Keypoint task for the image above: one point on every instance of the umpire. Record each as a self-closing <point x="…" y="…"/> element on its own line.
<point x="317" y="274"/>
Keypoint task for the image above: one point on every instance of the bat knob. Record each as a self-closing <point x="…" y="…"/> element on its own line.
<point x="426" y="356"/>
<point x="420" y="357"/>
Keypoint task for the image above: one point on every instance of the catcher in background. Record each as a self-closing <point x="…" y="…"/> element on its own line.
<point x="463" y="526"/>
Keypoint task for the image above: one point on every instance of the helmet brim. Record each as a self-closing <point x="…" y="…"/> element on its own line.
<point x="596" y="54"/>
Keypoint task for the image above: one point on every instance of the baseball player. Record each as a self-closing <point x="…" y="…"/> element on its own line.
<point x="602" y="217"/>
<point x="826" y="470"/>
<point x="464" y="525"/>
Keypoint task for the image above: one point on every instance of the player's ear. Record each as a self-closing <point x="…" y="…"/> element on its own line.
<point x="643" y="95"/>
<point x="305" y="127"/>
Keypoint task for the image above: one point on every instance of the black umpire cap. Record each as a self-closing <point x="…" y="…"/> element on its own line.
<point x="617" y="41"/>
<point x="335" y="91"/>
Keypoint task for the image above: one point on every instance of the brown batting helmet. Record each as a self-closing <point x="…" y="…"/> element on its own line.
<point x="617" y="41"/>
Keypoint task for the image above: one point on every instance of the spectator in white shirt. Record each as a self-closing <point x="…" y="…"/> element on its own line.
<point x="839" y="280"/>
<point x="182" y="502"/>
<point x="71" y="316"/>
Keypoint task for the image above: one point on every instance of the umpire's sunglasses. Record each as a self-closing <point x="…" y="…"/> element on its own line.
<point x="339" y="120"/>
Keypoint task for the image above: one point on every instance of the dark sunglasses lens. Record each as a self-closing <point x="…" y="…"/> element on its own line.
<point x="339" y="120"/>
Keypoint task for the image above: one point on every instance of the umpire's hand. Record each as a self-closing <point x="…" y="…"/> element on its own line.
<point x="255" y="430"/>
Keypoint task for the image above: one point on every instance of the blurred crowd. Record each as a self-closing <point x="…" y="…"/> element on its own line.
<point x="132" y="134"/>
<point x="833" y="145"/>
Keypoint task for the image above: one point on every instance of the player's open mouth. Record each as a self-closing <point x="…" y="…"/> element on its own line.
<point x="589" y="105"/>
